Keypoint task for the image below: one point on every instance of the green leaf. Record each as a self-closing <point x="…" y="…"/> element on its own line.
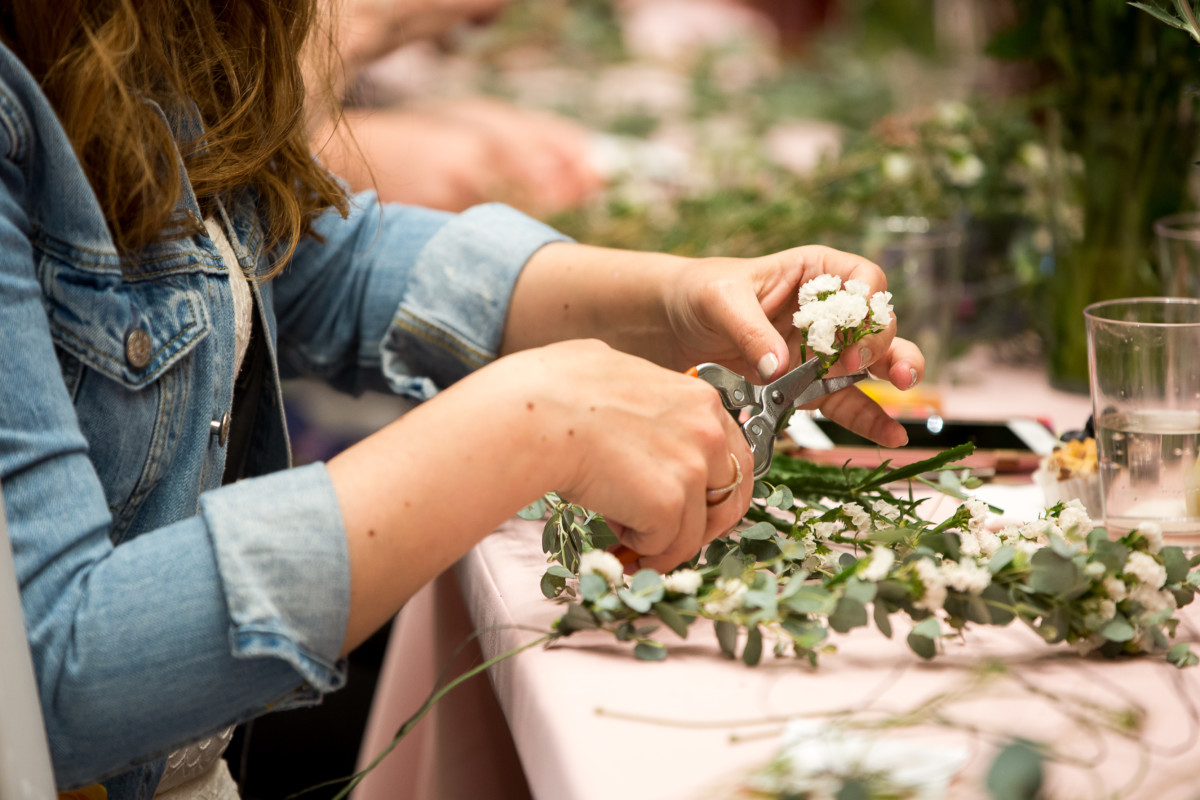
<point x="917" y="468"/>
<point x="854" y="789"/>
<point x="929" y="627"/>
<point x="810" y="600"/>
<point x="592" y="586"/>
<point x="550" y="536"/>
<point x="781" y="498"/>
<point x="649" y="584"/>
<point x="535" y="510"/>
<point x="727" y="635"/>
<point x="1181" y="655"/>
<point x="1053" y="626"/>
<point x="637" y="602"/>
<point x="922" y="646"/>
<point x="732" y="565"/>
<point x="881" y="620"/>
<point x="673" y="619"/>
<point x="1061" y="546"/>
<point x="577" y="618"/>
<point x="752" y="652"/>
<point x="1162" y="16"/>
<point x="862" y="591"/>
<point x="999" y="604"/>
<point x="1052" y="574"/>
<point x="552" y="585"/>
<point x="560" y="571"/>
<point x="806" y="633"/>
<point x="762" y="490"/>
<point x="1118" y="629"/>
<point x="848" y="614"/>
<point x="1016" y="774"/>
<point x="891" y="535"/>
<point x="602" y="535"/>
<point x="759" y="530"/>
<point x="1001" y="558"/>
<point x="1112" y="555"/>
<point x="649" y="651"/>
<point x="1175" y="562"/>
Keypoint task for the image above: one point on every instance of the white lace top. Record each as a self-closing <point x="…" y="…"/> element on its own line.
<point x="196" y="772"/>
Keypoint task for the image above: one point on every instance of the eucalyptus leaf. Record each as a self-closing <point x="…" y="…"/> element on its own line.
<point x="1017" y="772"/>
<point x="806" y="633"/>
<point x="922" y="646"/>
<point x="577" y="618"/>
<point x="535" y="510"/>
<point x="1175" y="562"/>
<point x="810" y="600"/>
<point x="552" y="585"/>
<point x="673" y="619"/>
<point x="862" y="591"/>
<point x="602" y="535"/>
<point x="1001" y="558"/>
<point x="592" y="586"/>
<point x="727" y="636"/>
<point x="752" y="652"/>
<point x="929" y="627"/>
<point x="759" y="530"/>
<point x="649" y="651"/>
<point x="732" y="565"/>
<point x="560" y="571"/>
<point x="762" y="490"/>
<point x="881" y="619"/>
<point x="637" y="602"/>
<point x="847" y="615"/>
<point x="1181" y="655"/>
<point x="1051" y="573"/>
<point x="1118" y="629"/>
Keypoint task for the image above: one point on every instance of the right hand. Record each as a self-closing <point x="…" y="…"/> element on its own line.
<point x="633" y="441"/>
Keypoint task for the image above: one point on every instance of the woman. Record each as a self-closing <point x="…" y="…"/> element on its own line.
<point x="153" y="157"/>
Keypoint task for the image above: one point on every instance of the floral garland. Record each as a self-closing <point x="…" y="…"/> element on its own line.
<point x="833" y="548"/>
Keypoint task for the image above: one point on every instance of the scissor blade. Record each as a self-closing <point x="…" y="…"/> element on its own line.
<point x="828" y="386"/>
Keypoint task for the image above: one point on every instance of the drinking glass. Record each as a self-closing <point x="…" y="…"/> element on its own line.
<point x="923" y="261"/>
<point x="1144" y="368"/>
<point x="1178" y="240"/>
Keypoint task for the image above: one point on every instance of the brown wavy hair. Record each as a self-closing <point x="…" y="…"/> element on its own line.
<point x="237" y="61"/>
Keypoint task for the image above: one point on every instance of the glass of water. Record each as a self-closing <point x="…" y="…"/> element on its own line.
<point x="1144" y="360"/>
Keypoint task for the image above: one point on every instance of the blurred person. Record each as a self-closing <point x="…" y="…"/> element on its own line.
<point x="448" y="154"/>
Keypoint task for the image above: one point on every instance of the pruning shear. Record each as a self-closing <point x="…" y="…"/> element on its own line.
<point x="771" y="403"/>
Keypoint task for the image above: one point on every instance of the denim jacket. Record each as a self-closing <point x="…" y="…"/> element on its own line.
<point x="161" y="606"/>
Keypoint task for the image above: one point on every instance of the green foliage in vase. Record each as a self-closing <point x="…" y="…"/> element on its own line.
<point x="828" y="549"/>
<point x="1115" y="93"/>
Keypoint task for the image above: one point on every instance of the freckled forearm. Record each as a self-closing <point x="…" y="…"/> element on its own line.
<point x="572" y="291"/>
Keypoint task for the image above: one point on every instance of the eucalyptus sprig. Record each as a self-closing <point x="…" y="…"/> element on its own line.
<point x="827" y="549"/>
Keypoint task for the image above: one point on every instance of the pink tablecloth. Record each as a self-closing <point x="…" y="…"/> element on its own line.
<point x="567" y="720"/>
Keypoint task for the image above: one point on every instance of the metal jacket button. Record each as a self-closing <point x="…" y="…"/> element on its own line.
<point x="137" y="348"/>
<point x="220" y="429"/>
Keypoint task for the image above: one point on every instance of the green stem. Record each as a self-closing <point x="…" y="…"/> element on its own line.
<point x="410" y="723"/>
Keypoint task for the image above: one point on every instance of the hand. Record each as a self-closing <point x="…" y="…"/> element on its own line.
<point x="636" y="442"/>
<point x="370" y="29"/>
<point x="456" y="154"/>
<point x="739" y="313"/>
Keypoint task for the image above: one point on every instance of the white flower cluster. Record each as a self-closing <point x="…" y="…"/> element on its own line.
<point x="683" y="581"/>
<point x="604" y="564"/>
<point x="827" y="309"/>
<point x="729" y="597"/>
<point x="965" y="575"/>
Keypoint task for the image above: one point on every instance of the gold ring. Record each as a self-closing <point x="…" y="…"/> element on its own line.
<point x="718" y="496"/>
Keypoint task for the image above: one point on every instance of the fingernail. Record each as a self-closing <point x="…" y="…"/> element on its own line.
<point x="864" y="357"/>
<point x="767" y="366"/>
<point x="912" y="377"/>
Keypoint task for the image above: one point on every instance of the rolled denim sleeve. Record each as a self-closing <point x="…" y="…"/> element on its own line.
<point x="403" y="298"/>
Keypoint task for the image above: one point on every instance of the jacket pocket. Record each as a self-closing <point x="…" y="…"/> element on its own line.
<point x="124" y="349"/>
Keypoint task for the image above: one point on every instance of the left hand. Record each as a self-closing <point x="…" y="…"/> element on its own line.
<point x="738" y="312"/>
